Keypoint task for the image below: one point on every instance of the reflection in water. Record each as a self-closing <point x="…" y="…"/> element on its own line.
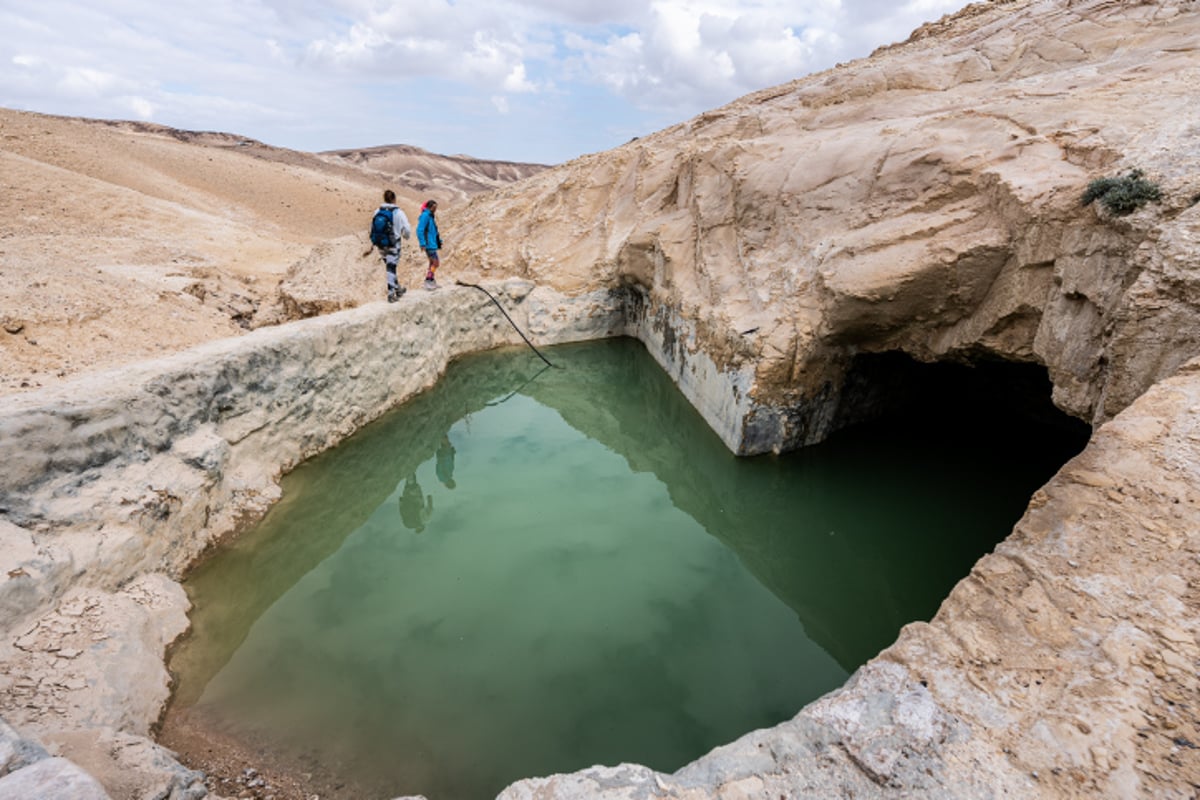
<point x="445" y="462"/>
<point x="416" y="507"/>
<point x="602" y="581"/>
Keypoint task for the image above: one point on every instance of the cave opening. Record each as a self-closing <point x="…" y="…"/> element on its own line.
<point x="1000" y="404"/>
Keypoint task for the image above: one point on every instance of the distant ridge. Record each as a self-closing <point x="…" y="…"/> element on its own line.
<point x="420" y="169"/>
<point x="460" y="175"/>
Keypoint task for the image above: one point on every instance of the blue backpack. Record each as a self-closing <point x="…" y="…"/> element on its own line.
<point x="381" y="229"/>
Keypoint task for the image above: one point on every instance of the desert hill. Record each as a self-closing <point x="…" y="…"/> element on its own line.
<point x="125" y="240"/>
<point x="422" y="171"/>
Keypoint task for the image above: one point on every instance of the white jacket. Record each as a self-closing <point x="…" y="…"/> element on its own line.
<point x="400" y="227"/>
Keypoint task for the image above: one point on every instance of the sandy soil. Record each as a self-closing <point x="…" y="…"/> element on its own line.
<point x="236" y="768"/>
<point x="125" y="241"/>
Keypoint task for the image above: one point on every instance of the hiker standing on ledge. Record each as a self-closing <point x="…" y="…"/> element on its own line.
<point x="388" y="226"/>
<point x="429" y="240"/>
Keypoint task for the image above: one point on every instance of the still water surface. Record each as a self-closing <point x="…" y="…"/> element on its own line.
<point x="527" y="571"/>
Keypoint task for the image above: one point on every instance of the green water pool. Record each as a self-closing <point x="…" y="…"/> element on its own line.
<point x="526" y="571"/>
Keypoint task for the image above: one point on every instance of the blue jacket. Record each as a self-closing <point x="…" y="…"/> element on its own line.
<point x="427" y="232"/>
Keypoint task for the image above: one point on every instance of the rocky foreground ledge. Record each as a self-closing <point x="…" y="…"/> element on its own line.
<point x="1064" y="665"/>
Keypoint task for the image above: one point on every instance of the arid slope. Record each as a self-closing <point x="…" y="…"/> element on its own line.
<point x="422" y="171"/>
<point x="121" y="241"/>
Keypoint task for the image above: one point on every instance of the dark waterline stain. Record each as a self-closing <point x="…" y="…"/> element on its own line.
<point x="523" y="572"/>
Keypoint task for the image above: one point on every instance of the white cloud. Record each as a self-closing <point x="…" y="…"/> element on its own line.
<point x="472" y="41"/>
<point x="584" y="12"/>
<point x="360" y="44"/>
<point x="141" y="108"/>
<point x="489" y="60"/>
<point x="84" y="80"/>
<point x="289" y="71"/>
<point x="517" y="82"/>
<point x="690" y="54"/>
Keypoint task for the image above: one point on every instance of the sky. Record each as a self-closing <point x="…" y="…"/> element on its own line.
<point x="518" y="80"/>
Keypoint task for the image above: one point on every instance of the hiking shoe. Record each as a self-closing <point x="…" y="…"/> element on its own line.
<point x="430" y="284"/>
<point x="394" y="295"/>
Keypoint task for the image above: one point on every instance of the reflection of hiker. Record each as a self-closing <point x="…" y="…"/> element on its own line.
<point x="444" y="463"/>
<point x="416" y="508"/>
<point x="429" y="240"/>
<point x="388" y="226"/>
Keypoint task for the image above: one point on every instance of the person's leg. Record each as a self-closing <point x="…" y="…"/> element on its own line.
<point x="390" y="259"/>
<point x="431" y="273"/>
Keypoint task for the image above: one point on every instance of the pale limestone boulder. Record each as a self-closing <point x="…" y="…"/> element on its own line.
<point x="96" y="661"/>
<point x="17" y="751"/>
<point x="341" y="273"/>
<point x="51" y="779"/>
<point x="32" y="576"/>
<point x="129" y="766"/>
<point x="27" y="770"/>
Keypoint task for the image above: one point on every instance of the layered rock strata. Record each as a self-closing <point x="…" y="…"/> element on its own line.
<point x="925" y="200"/>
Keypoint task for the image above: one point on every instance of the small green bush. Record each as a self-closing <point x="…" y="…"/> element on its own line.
<point x="1122" y="196"/>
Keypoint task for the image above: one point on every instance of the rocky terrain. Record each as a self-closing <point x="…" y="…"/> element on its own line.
<point x="122" y="240"/>
<point x="925" y="202"/>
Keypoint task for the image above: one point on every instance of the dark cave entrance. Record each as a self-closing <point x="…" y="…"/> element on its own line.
<point x="1004" y="406"/>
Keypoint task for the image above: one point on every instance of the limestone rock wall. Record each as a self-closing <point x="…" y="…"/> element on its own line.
<point x="129" y="766"/>
<point x="198" y="440"/>
<point x="925" y="200"/>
